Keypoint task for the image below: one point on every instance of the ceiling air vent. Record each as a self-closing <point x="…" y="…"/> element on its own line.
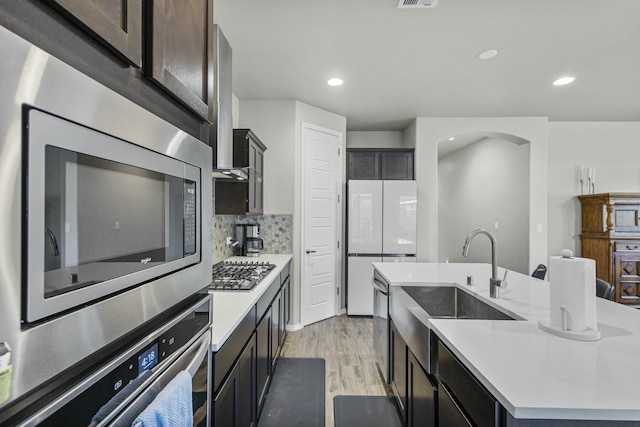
<point x="416" y="4"/>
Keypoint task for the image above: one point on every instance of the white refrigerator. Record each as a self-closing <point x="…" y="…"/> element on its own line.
<point x="381" y="228"/>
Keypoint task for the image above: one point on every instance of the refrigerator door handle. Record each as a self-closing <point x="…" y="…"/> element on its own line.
<point x="379" y="286"/>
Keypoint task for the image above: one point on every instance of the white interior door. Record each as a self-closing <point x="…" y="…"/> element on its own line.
<point x="322" y="178"/>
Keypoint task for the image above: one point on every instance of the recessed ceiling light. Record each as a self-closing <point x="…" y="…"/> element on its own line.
<point x="564" y="81"/>
<point x="335" y="82"/>
<point x="488" y="54"/>
<point x="452" y="138"/>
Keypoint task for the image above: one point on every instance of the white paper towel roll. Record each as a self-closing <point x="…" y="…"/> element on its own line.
<point x="573" y="288"/>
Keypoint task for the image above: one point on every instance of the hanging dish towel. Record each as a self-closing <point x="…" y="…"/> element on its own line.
<point x="172" y="407"/>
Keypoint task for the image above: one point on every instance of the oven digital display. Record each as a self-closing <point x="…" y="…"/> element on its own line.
<point x="148" y="359"/>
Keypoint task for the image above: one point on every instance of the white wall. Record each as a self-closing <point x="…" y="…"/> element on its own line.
<point x="279" y="125"/>
<point x="235" y="110"/>
<point x="274" y="123"/>
<point x="409" y="135"/>
<point x="613" y="148"/>
<point x="479" y="185"/>
<point x="430" y="131"/>
<point x="374" y="139"/>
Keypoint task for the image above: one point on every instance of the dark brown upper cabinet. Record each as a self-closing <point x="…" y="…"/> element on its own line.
<point x="243" y="197"/>
<point x="179" y="51"/>
<point x="116" y="22"/>
<point x="376" y="164"/>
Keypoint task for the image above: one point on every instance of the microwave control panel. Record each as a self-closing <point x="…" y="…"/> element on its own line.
<point x="190" y="227"/>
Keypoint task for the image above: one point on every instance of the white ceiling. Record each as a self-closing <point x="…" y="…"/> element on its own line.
<point x="398" y="64"/>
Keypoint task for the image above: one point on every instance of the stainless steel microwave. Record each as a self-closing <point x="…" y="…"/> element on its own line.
<point x="103" y="214"/>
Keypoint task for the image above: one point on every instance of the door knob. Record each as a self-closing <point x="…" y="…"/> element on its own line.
<point x="309" y="251"/>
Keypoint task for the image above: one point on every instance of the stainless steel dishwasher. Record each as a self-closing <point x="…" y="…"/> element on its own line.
<point x="381" y="324"/>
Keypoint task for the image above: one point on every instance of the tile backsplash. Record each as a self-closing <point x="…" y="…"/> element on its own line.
<point x="275" y="231"/>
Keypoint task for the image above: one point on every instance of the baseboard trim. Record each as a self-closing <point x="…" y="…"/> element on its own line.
<point x="293" y="328"/>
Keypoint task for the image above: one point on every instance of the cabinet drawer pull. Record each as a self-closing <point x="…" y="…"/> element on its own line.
<point x="630" y="247"/>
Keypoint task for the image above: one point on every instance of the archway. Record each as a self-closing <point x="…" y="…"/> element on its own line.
<point x="483" y="182"/>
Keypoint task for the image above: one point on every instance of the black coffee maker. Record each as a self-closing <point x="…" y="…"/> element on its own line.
<point x="250" y="243"/>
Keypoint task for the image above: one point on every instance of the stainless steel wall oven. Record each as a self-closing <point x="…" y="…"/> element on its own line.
<point x="122" y="385"/>
<point x="105" y="218"/>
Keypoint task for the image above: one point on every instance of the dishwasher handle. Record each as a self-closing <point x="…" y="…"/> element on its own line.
<point x="380" y="286"/>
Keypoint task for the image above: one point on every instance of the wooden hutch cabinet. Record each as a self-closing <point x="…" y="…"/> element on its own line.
<point x="611" y="236"/>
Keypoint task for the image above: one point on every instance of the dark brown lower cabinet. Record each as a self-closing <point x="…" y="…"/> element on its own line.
<point x="285" y="312"/>
<point x="242" y="372"/>
<point x="235" y="403"/>
<point x="398" y="377"/>
<point x="276" y="320"/>
<point x="263" y="357"/>
<point x="449" y="412"/>
<point x="422" y="395"/>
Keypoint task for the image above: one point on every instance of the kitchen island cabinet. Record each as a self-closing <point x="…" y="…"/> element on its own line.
<point x="517" y="374"/>
<point x="246" y="345"/>
<point x="411" y="385"/>
<point x="398" y="361"/>
<point x="422" y="395"/>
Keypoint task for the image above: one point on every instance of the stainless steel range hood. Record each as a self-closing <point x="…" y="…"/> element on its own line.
<point x="223" y="150"/>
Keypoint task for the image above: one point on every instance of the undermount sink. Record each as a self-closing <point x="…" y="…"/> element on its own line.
<point x="453" y="303"/>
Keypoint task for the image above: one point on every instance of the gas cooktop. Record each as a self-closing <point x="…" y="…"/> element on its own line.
<point x="239" y="275"/>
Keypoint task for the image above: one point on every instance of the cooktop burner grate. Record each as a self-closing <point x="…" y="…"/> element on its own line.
<point x="239" y="275"/>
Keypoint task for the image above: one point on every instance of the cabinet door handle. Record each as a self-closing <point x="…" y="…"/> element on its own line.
<point x="309" y="251"/>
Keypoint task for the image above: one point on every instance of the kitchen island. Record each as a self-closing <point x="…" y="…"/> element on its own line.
<point x="538" y="378"/>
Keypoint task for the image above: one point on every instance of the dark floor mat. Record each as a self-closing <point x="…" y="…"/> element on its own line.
<point x="365" y="411"/>
<point x="296" y="394"/>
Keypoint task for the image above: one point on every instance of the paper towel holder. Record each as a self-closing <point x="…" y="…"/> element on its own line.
<point x="586" y="335"/>
<point x="561" y="324"/>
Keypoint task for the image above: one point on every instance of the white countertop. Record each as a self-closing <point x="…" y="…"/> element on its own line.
<point x="532" y="373"/>
<point x="230" y="307"/>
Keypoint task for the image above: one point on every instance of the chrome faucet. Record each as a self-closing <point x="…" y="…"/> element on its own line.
<point x="494" y="283"/>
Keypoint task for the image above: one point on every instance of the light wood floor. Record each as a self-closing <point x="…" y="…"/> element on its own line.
<point x="346" y="344"/>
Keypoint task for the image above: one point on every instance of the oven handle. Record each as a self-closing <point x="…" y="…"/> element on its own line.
<point x="379" y="286"/>
<point x="194" y="360"/>
<point x="203" y="351"/>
